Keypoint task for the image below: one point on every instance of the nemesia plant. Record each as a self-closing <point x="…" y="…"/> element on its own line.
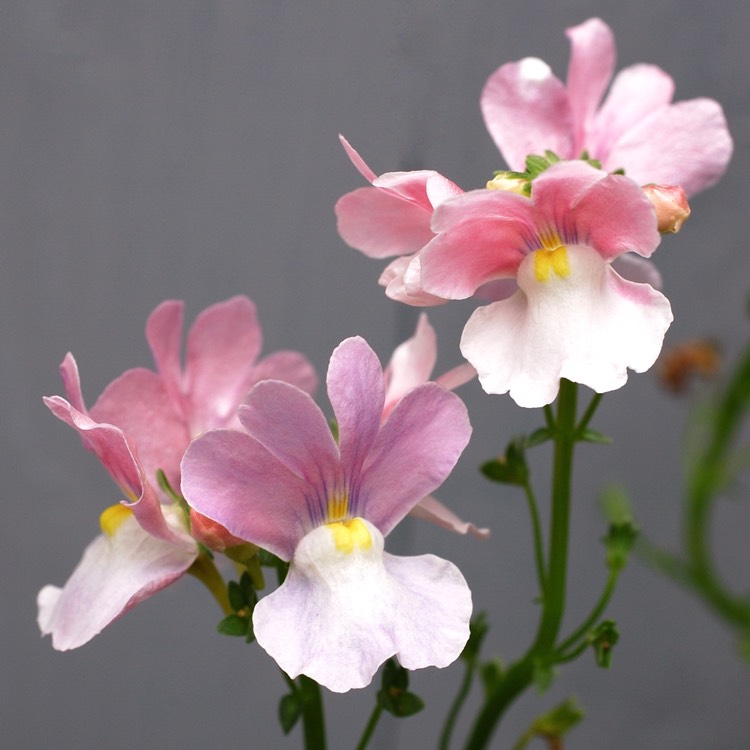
<point x="231" y="456"/>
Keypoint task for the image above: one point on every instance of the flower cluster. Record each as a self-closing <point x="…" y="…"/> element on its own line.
<point x="558" y="244"/>
<point x="229" y="454"/>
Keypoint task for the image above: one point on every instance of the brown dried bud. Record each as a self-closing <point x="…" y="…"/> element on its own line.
<point x="681" y="363"/>
<point x="670" y="204"/>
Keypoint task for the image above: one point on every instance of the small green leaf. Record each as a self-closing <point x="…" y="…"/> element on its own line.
<point x="539" y="436"/>
<point x="543" y="675"/>
<point x="394" y="695"/>
<point x="234" y="625"/>
<point x="510" y="468"/>
<point x="491" y="673"/>
<point x="594" y="436"/>
<point x="553" y="725"/>
<point x="290" y="709"/>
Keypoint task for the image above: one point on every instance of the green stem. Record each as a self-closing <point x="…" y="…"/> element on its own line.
<point x="589" y="413"/>
<point x="520" y="674"/>
<point x="313" y="723"/>
<point x="204" y="569"/>
<point x="371" y="724"/>
<point x="704" y="486"/>
<point x="463" y="693"/>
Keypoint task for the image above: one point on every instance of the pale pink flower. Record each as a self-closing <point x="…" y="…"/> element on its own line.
<point x="528" y="110"/>
<point x="288" y="486"/>
<point x="411" y="365"/>
<point x="572" y="316"/>
<point x="143" y="422"/>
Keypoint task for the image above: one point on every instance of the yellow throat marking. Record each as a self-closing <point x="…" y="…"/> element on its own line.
<point x="112" y="518"/>
<point x="551" y="257"/>
<point x="350" y="534"/>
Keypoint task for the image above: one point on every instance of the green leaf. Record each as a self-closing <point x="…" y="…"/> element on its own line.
<point x="553" y="725"/>
<point x="491" y="673"/>
<point x="394" y="695"/>
<point x="539" y="436"/>
<point x="594" y="436"/>
<point x="543" y="675"/>
<point x="510" y="468"/>
<point x="234" y="625"/>
<point x="290" y="709"/>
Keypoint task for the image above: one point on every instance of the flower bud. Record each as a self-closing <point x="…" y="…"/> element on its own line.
<point x="512" y="182"/>
<point x="670" y="204"/>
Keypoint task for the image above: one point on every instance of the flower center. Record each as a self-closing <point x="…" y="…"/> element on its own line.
<point x="551" y="257"/>
<point x="338" y="506"/>
<point x="348" y="535"/>
<point x="113" y="517"/>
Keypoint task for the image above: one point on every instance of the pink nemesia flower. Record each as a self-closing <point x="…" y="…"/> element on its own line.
<point x="572" y="316"/>
<point x="286" y="485"/>
<point x="143" y="422"/>
<point x="411" y="365"/>
<point x="637" y="128"/>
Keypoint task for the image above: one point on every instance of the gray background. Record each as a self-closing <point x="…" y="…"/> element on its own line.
<point x="188" y="149"/>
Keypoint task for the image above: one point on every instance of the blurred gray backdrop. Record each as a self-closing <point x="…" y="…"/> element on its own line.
<point x="188" y="149"/>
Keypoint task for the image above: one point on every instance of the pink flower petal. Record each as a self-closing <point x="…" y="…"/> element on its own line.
<point x="118" y="457"/>
<point x="394" y="277"/>
<point x="411" y="363"/>
<point x="222" y="347"/>
<point x="416" y="450"/>
<point x="592" y="63"/>
<point x="527" y="111"/>
<point x="164" y="336"/>
<point x="483" y="235"/>
<point x="686" y="144"/>
<point x="636" y="92"/>
<point x="231" y="478"/>
<point x="615" y="216"/>
<point x="138" y="403"/>
<point x="290" y="426"/>
<point x="114" y="575"/>
<point x="357" y="394"/>
<point x="338" y="616"/>
<point x="589" y="327"/>
<point x="431" y="509"/>
<point x="357" y="160"/>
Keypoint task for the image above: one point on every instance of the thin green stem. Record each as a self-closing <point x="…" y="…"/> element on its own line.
<point x="590" y="621"/>
<point x="705" y="483"/>
<point x="450" y="719"/>
<point x="589" y="413"/>
<point x="536" y="527"/>
<point x="371" y="724"/>
<point x="204" y="569"/>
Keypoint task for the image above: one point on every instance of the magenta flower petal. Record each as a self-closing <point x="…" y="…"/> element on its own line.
<point x="290" y="426"/>
<point x="527" y="111"/>
<point x="357" y="394"/>
<point x="338" y="616"/>
<point x="114" y="575"/>
<point x="417" y="448"/>
<point x="231" y="478"/>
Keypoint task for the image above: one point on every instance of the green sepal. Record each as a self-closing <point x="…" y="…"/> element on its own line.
<point x="553" y="725"/>
<point x="619" y="542"/>
<point x="290" y="709"/>
<point x="394" y="695"/>
<point x="603" y="639"/>
<point x="478" y="628"/>
<point x="543" y="675"/>
<point x="234" y="624"/>
<point x="510" y="468"/>
<point x="237" y="597"/>
<point x="491" y="674"/>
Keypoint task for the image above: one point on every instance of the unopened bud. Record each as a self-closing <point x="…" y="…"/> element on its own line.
<point x="511" y="182"/>
<point x="670" y="204"/>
